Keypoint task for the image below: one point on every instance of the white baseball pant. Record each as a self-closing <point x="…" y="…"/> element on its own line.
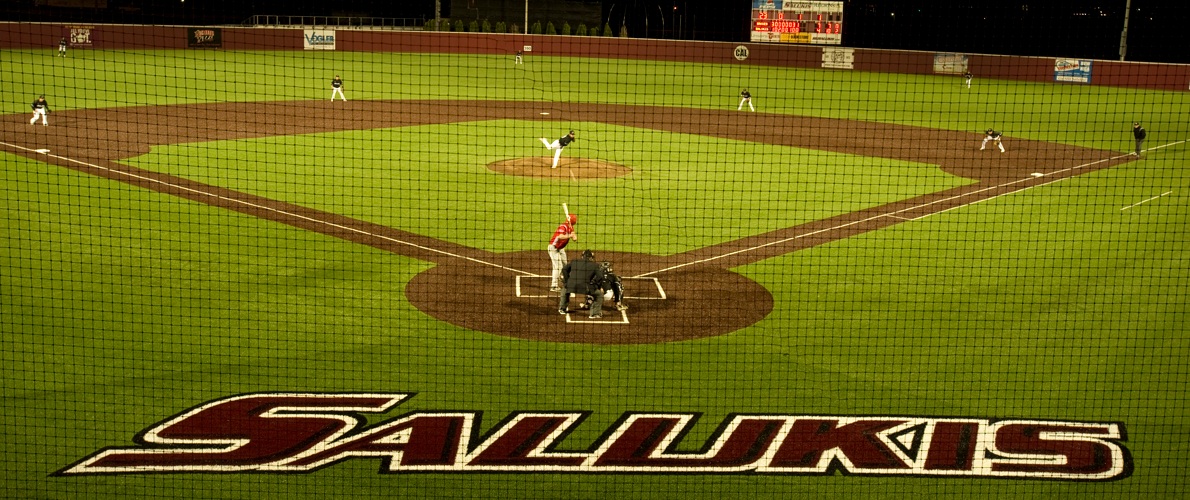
<point x="557" y="262"/>
<point x="556" y="147"/>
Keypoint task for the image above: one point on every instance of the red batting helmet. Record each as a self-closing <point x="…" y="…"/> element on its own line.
<point x="573" y="219"/>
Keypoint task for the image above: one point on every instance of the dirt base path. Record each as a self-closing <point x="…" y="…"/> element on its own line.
<point x="676" y="297"/>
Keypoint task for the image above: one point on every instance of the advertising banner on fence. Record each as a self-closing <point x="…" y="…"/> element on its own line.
<point x="950" y="64"/>
<point x="319" y="40"/>
<point x="838" y="58"/>
<point x="1072" y="70"/>
<point x="80" y="36"/>
<point x="204" y="38"/>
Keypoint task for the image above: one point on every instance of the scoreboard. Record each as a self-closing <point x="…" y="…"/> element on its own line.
<point x="816" y="22"/>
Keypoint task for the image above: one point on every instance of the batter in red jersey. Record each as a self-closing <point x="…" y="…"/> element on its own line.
<point x="557" y="249"/>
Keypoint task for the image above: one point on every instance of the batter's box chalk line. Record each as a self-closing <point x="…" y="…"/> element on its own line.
<point x="528" y="286"/>
<point x="607" y="319"/>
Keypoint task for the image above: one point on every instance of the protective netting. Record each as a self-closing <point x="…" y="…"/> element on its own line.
<point x="846" y="272"/>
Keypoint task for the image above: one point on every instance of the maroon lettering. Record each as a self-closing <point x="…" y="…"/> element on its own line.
<point x="810" y="439"/>
<point x="952" y="446"/>
<point x="740" y="445"/>
<point x="519" y="443"/>
<point x="241" y="433"/>
<point x="297" y="432"/>
<point x="417" y="441"/>
<point x="1055" y="448"/>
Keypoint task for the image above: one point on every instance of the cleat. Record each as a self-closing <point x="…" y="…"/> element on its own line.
<point x="621" y="307"/>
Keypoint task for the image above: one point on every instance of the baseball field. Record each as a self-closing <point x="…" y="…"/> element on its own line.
<point x="219" y="283"/>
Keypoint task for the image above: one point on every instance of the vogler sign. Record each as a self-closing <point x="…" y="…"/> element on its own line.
<point x="300" y="432"/>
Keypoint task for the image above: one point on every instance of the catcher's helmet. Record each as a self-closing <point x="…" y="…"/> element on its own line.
<point x="588" y="254"/>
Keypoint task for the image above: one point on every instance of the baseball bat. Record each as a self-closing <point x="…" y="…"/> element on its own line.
<point x="567" y="210"/>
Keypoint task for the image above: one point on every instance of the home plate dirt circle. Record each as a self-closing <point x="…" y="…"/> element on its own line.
<point x="683" y="304"/>
<point x="568" y="168"/>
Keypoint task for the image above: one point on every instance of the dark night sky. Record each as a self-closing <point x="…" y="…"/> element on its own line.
<point x="1061" y="28"/>
<point x="1084" y="28"/>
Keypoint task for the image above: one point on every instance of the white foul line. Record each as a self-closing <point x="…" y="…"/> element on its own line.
<point x="1145" y="201"/>
<point x="271" y="209"/>
<point x="679" y="266"/>
<point x="915" y="207"/>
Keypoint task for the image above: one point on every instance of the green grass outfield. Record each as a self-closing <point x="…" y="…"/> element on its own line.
<point x="122" y="307"/>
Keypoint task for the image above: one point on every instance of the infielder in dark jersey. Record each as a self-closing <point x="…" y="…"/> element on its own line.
<point x="745" y="97"/>
<point x="337" y="88"/>
<point x="40" y="110"/>
<point x="992" y="136"/>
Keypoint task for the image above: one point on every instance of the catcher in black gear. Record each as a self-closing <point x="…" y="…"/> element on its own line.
<point x="607" y="280"/>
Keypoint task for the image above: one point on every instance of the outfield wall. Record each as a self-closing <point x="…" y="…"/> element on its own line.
<point x="1151" y="76"/>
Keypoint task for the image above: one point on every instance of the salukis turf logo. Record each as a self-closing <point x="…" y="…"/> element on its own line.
<point x="296" y="432"/>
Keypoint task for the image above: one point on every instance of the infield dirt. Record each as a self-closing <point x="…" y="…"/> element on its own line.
<point x="477" y="289"/>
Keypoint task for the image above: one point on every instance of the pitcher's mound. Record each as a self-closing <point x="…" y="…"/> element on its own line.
<point x="568" y="168"/>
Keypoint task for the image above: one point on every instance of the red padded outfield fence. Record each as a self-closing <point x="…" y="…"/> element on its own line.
<point x="1149" y="76"/>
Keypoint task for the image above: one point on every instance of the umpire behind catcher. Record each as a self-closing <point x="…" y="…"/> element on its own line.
<point x="577" y="276"/>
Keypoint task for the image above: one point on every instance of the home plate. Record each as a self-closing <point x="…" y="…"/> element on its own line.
<point x="1037" y="174"/>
